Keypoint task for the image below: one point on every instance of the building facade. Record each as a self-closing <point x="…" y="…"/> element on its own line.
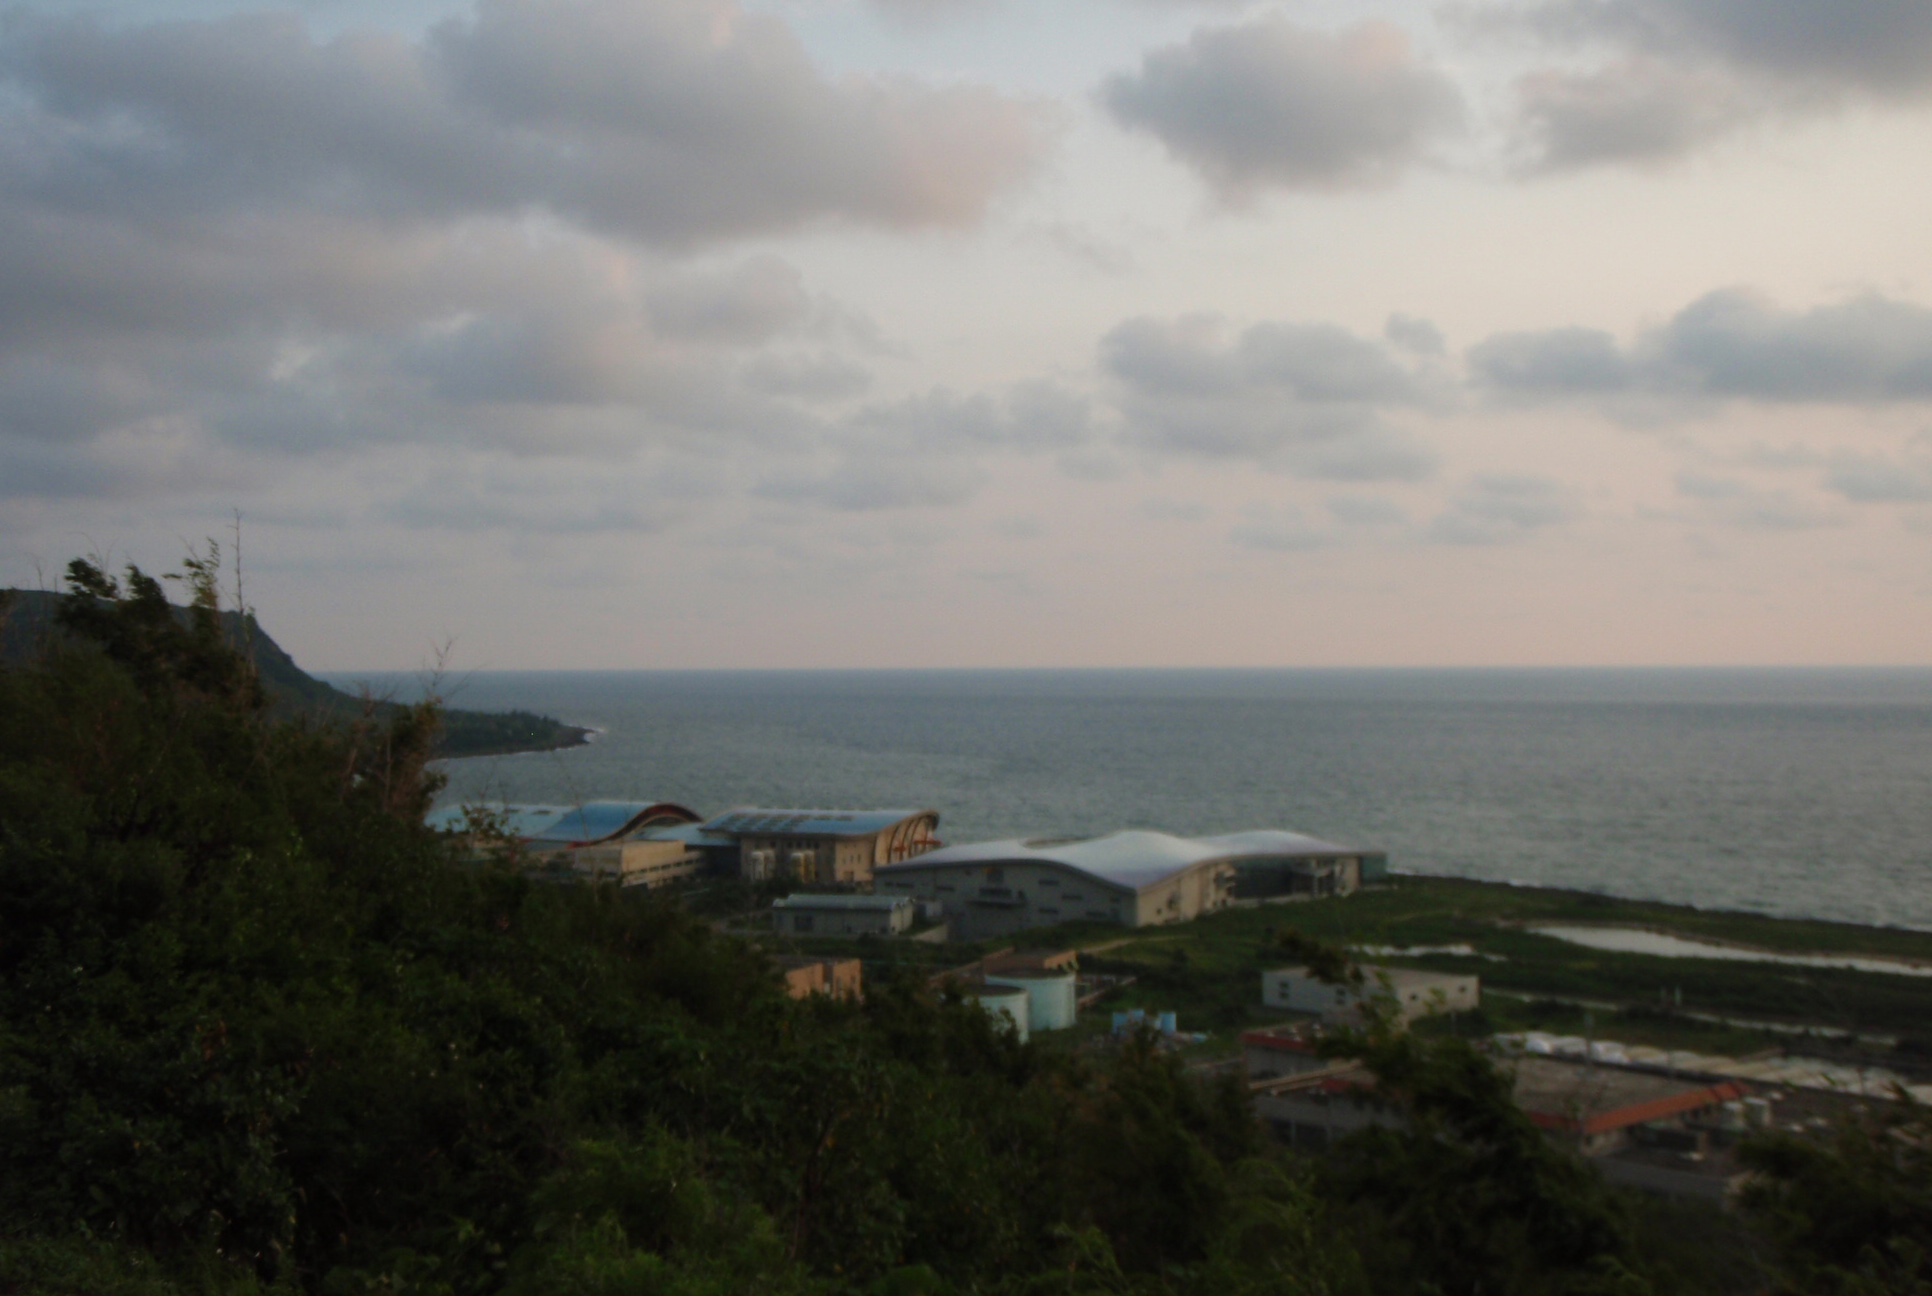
<point x="824" y="847"/>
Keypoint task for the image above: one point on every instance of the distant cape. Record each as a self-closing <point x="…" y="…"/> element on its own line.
<point x="28" y="626"/>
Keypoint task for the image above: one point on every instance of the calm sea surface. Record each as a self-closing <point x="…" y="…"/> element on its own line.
<point x="1794" y="792"/>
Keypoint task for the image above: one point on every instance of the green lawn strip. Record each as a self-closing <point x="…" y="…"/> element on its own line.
<point x="1223" y="954"/>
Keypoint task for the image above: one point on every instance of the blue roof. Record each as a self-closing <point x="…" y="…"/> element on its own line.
<point x="689" y="833"/>
<point x="1133" y="860"/>
<point x="589" y="822"/>
<point x="747" y="821"/>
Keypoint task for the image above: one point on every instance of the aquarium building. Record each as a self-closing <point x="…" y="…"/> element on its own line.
<point x="1136" y="879"/>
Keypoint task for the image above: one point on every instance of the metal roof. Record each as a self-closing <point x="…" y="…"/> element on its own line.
<point x="1272" y="843"/>
<point x="692" y="834"/>
<point x="861" y="902"/>
<point x="746" y="821"/>
<point x="589" y="822"/>
<point x="1133" y="860"/>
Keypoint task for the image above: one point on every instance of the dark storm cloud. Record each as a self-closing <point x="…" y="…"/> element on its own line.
<point x="1868" y="350"/>
<point x="1682" y="72"/>
<point x="1266" y="103"/>
<point x="1305" y="398"/>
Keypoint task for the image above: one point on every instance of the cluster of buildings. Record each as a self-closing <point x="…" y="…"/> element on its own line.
<point x="886" y="872"/>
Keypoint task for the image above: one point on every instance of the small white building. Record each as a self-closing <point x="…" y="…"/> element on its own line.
<point x="1410" y="992"/>
<point x="841" y="915"/>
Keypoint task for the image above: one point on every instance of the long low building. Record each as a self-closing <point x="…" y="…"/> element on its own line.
<point x="1134" y="878"/>
<point x="1410" y="993"/>
<point x="802" y="914"/>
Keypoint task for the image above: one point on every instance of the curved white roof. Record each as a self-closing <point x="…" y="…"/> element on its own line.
<point x="1134" y="859"/>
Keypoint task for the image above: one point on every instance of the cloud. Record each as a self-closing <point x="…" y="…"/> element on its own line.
<point x="229" y="240"/>
<point x="1268" y="104"/>
<point x="1415" y="335"/>
<point x="1279" y="529"/>
<point x="665" y="121"/>
<point x="1501" y="508"/>
<point x="927" y="450"/>
<point x="1863" y="479"/>
<point x="863" y="483"/>
<point x="1683" y="72"/>
<point x="1561" y="361"/>
<point x="1029" y="416"/>
<point x="1366" y="511"/>
<point x="1637" y="111"/>
<point x="524" y="502"/>
<point x="1729" y="344"/>
<point x="1303" y="398"/>
<point x="1752" y="508"/>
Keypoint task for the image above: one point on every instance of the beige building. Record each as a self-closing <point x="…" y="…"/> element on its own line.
<point x="839" y="978"/>
<point x="1411" y="993"/>
<point x="629" y="863"/>
<point x="824" y="847"/>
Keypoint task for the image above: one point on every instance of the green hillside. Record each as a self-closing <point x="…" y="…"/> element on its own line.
<point x="28" y="624"/>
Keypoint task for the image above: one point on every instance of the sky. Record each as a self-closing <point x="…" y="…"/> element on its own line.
<point x="983" y="333"/>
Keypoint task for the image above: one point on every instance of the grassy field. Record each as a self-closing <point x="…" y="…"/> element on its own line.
<point x="1209" y="970"/>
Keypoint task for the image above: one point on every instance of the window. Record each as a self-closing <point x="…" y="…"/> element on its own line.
<point x="1050" y="881"/>
<point x="1054" y="912"/>
<point x="801" y="922"/>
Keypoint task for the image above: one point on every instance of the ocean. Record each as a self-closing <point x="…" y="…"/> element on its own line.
<point x="1800" y="793"/>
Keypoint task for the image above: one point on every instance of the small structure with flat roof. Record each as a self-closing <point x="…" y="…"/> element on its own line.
<point x="1409" y="993"/>
<point x="824" y="847"/>
<point x="841" y="915"/>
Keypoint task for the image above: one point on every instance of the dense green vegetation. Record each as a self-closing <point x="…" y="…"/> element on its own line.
<point x="33" y="620"/>
<point x="259" y="1033"/>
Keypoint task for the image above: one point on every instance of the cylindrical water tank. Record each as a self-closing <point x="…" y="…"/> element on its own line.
<point x="1009" y="1002"/>
<point x="1052" y="1001"/>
